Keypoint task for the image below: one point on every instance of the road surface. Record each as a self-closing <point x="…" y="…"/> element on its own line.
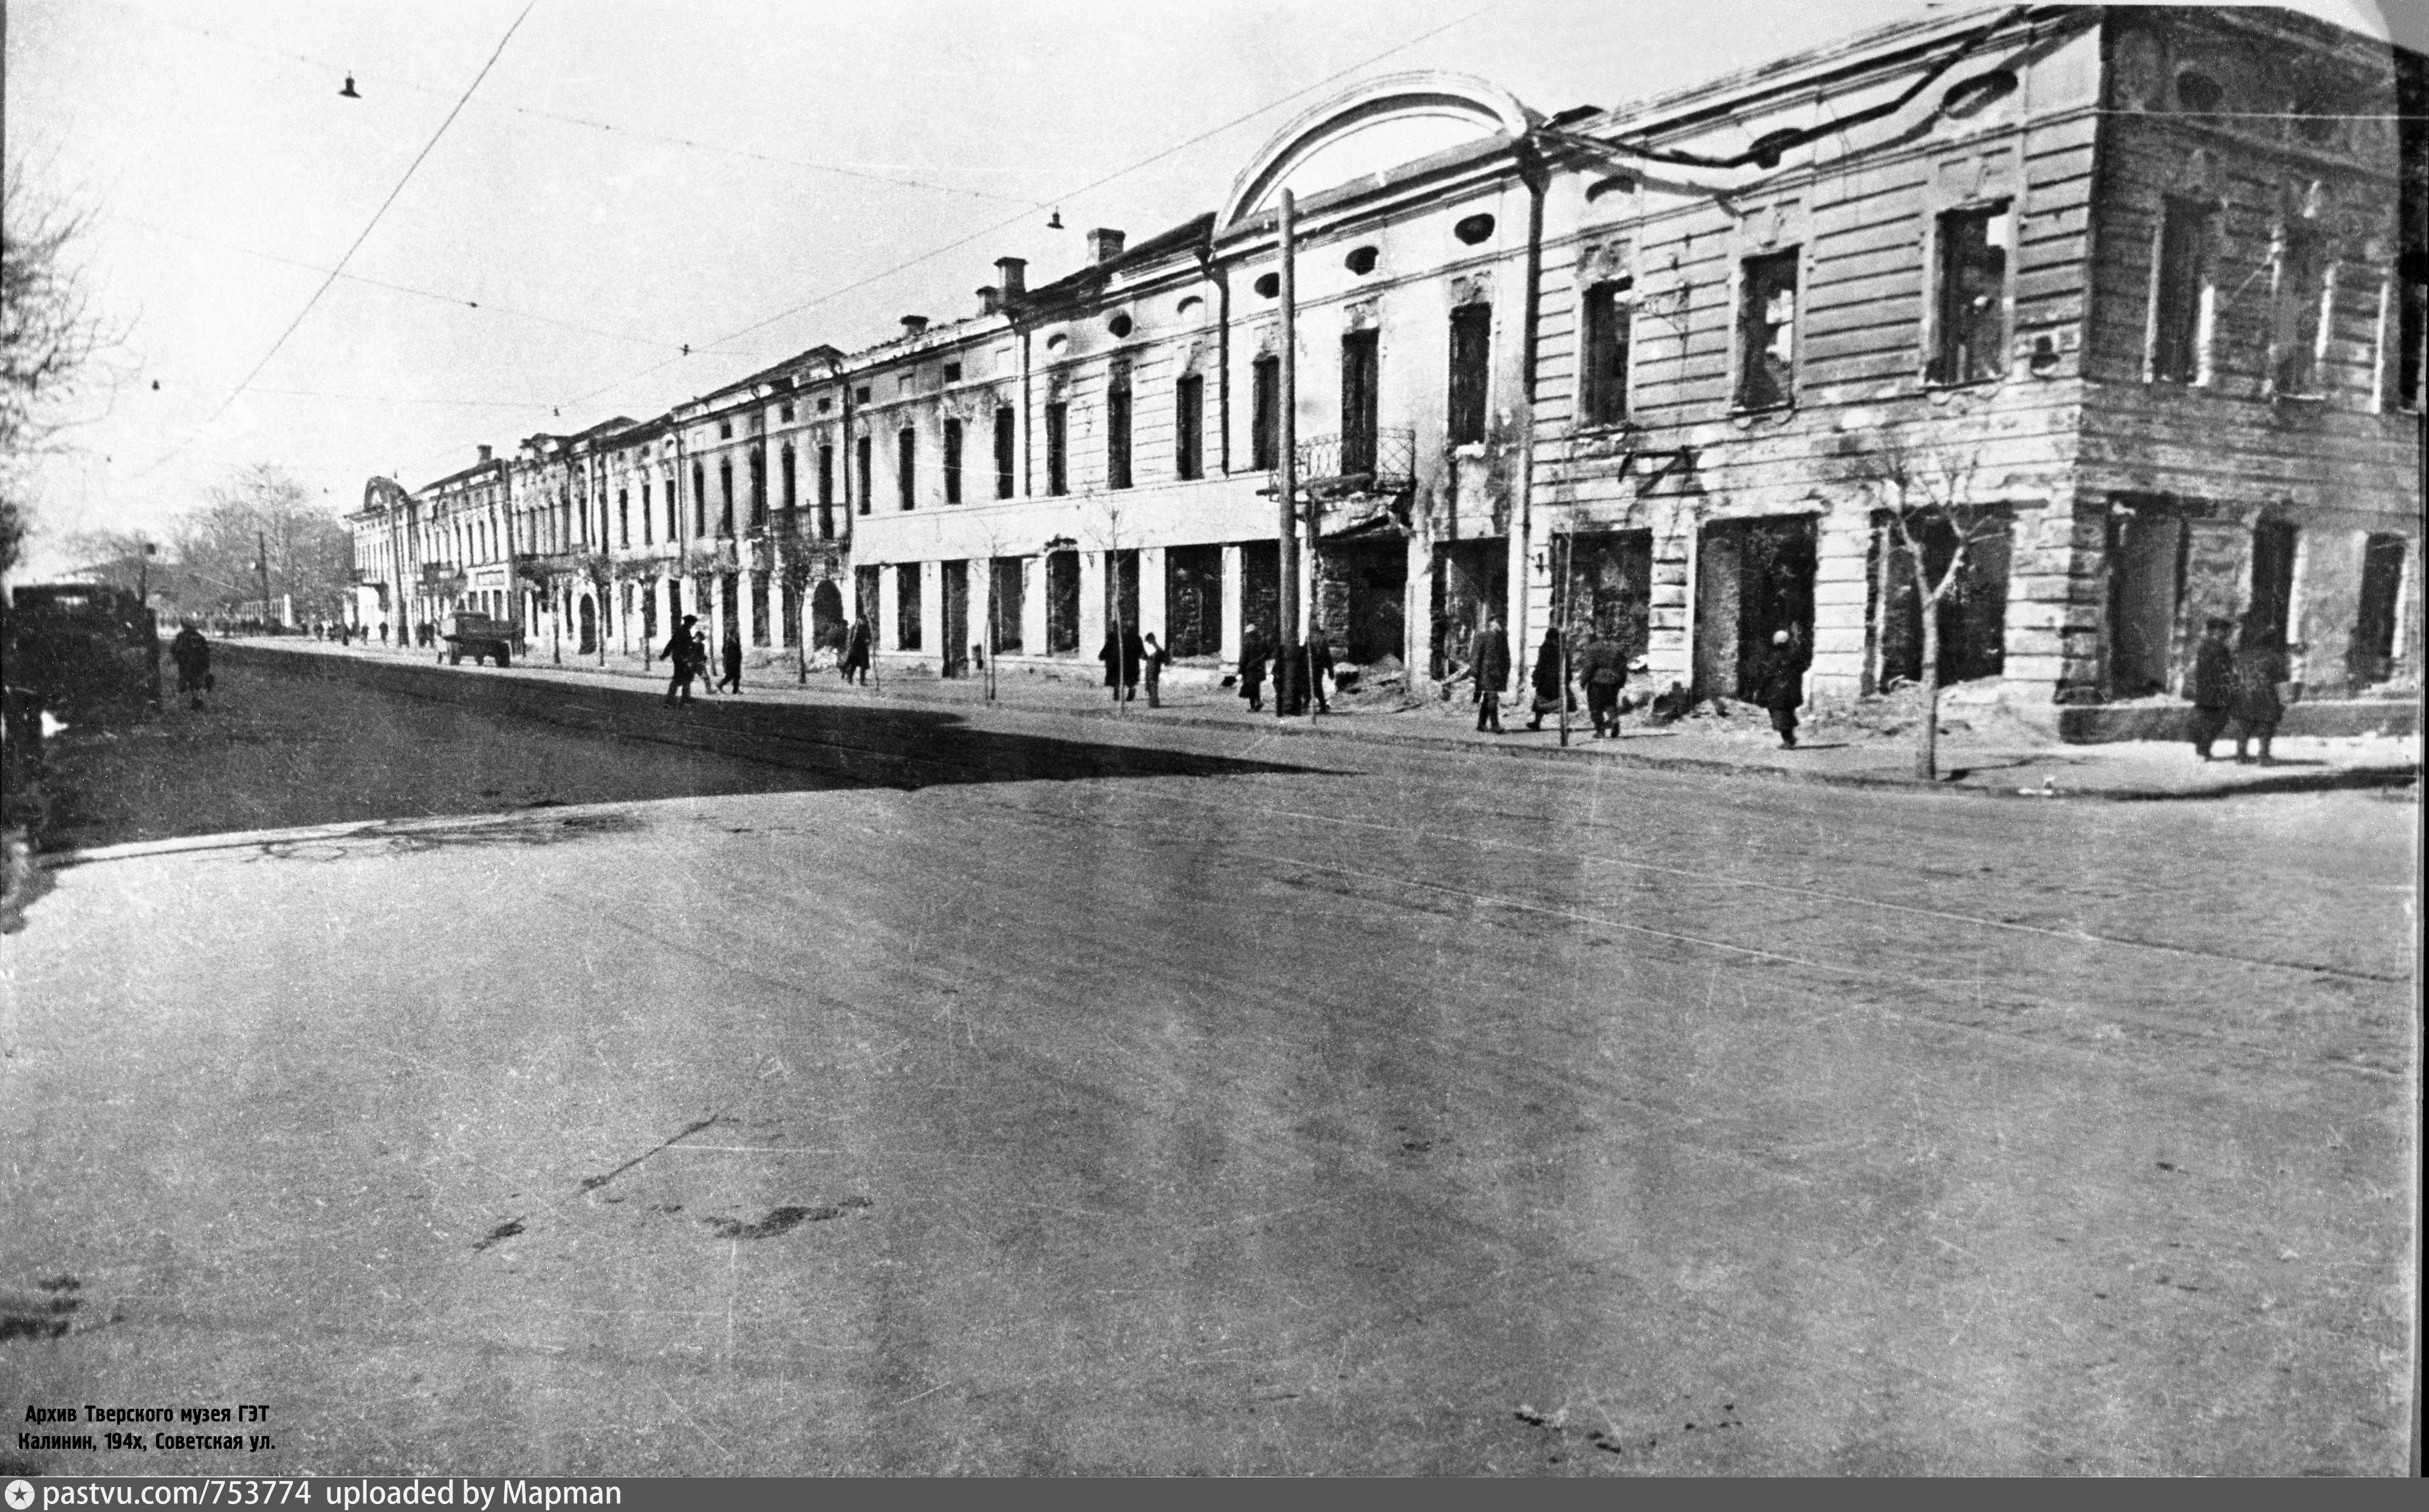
<point x="607" y="1088"/>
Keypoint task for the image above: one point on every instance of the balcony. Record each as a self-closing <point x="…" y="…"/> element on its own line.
<point x="1340" y="467"/>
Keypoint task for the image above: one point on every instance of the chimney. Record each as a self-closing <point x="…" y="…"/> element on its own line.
<point x="914" y="324"/>
<point x="484" y="453"/>
<point x="989" y="299"/>
<point x="1104" y="244"/>
<point x="1016" y="276"/>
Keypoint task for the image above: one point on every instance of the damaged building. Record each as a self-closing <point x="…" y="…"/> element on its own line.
<point x="2120" y="310"/>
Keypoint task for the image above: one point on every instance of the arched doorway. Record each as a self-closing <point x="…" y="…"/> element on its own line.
<point x="590" y="625"/>
<point x="826" y="615"/>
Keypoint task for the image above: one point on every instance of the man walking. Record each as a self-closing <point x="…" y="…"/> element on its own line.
<point x="855" y="653"/>
<point x="1152" y="665"/>
<point x="731" y="648"/>
<point x="1781" y="688"/>
<point x="1252" y="670"/>
<point x="1319" y="667"/>
<point x="1488" y="663"/>
<point x="192" y="655"/>
<point x="2259" y="666"/>
<point x="2213" y="685"/>
<point x="680" y="666"/>
<point x="1602" y="666"/>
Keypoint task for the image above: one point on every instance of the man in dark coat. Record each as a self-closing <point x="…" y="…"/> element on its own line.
<point x="1121" y="655"/>
<point x="1319" y="667"/>
<point x="1550" y="681"/>
<point x="2259" y="666"/>
<point x="1780" y="686"/>
<point x="681" y="668"/>
<point x="1152" y="663"/>
<point x="1252" y="670"/>
<point x="855" y="653"/>
<point x="1602" y="666"/>
<point x="1488" y="663"/>
<point x="192" y="655"/>
<point x="2212" y="688"/>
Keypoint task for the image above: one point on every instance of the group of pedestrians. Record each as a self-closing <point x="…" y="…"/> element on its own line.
<point x="686" y="657"/>
<point x="2237" y="684"/>
<point x="1256" y="662"/>
<point x="1129" y="657"/>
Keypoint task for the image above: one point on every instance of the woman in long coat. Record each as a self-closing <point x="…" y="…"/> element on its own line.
<point x="1550" y="683"/>
<point x="855" y="653"/>
<point x="1121" y="655"/>
<point x="1252" y="669"/>
<point x="2259" y="666"/>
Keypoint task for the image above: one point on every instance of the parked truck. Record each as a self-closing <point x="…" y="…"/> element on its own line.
<point x="477" y="636"/>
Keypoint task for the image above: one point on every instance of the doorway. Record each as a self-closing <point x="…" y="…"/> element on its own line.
<point x="957" y="618"/>
<point x="1364" y="590"/>
<point x="2274" y="543"/>
<point x="1754" y="579"/>
<point x="1609" y="587"/>
<point x="1192" y="600"/>
<point x="2146" y="583"/>
<point x="1471" y="580"/>
<point x="826" y="615"/>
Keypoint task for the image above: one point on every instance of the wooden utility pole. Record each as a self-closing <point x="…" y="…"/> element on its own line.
<point x="1286" y="662"/>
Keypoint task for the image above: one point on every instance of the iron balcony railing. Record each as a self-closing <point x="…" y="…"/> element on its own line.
<point x="1383" y="462"/>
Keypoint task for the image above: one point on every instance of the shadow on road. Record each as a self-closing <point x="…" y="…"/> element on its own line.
<point x="293" y="740"/>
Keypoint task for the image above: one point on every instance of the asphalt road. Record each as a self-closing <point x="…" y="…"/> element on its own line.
<point x="855" y="1089"/>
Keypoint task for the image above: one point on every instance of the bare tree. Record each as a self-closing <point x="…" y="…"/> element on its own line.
<point x="261" y="534"/>
<point x="1925" y="497"/>
<point x="49" y="338"/>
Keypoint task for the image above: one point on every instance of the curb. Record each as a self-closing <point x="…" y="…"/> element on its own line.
<point x="2343" y="778"/>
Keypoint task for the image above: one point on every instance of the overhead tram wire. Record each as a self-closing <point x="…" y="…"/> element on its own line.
<point x="486" y="306"/>
<point x="377" y="215"/>
<point x="999" y="225"/>
<point x="872" y="176"/>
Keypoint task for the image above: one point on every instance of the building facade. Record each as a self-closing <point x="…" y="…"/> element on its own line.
<point x="2136" y="294"/>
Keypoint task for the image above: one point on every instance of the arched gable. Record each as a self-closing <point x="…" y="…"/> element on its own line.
<point x="1457" y="102"/>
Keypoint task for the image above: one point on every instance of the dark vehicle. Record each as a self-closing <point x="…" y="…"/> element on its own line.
<point x="476" y="636"/>
<point x="85" y="648"/>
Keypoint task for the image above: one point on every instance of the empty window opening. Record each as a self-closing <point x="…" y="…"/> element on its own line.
<point x="864" y="459"/>
<point x="906" y="465"/>
<point x="1189" y="426"/>
<point x="1005" y="461"/>
<point x="1361" y="260"/>
<point x="758" y="608"/>
<point x="952" y="372"/>
<point x="1192" y="600"/>
<point x="1006" y="602"/>
<point x="1264" y="414"/>
<point x="725" y="494"/>
<point x="2145" y="564"/>
<point x="2371" y="658"/>
<point x="1062" y="603"/>
<point x="1267" y="285"/>
<point x="2411" y="341"/>
<point x="758" y="489"/>
<point x="826" y="493"/>
<point x="623" y="520"/>
<point x="1117" y="429"/>
<point x="1058" y="448"/>
<point x="699" y="501"/>
<point x="1473" y="229"/>
<point x="1471" y="371"/>
<point x="2180" y="297"/>
<point x="1610" y="318"/>
<point x="953" y="461"/>
<point x="646" y="507"/>
<point x="792" y="494"/>
<point x="1767" y="332"/>
<point x="1121" y="325"/>
<point x="1971" y="341"/>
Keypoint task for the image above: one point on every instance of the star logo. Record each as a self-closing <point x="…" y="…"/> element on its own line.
<point x="21" y="1495"/>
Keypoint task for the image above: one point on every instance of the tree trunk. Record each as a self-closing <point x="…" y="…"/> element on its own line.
<point x="1926" y="749"/>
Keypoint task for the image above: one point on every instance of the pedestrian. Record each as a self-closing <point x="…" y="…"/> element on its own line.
<point x="1151" y="662"/>
<point x="1551" y="681"/>
<point x="1602" y="666"/>
<point x="1252" y="670"/>
<point x="700" y="664"/>
<point x="855" y="654"/>
<point x="2213" y="685"/>
<point x="1121" y="655"/>
<point x="681" y="668"/>
<point x="192" y="655"/>
<point x="1780" y="685"/>
<point x="2259" y="666"/>
<point x="383" y="632"/>
<point x="1488" y="663"/>
<point x="1319" y="667"/>
<point x="731" y="650"/>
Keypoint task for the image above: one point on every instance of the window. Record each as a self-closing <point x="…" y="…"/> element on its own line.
<point x="861" y="459"/>
<point x="952" y="372"/>
<point x="1359" y="378"/>
<point x="906" y="462"/>
<point x="1970" y="343"/>
<point x="671" y="522"/>
<point x="826" y="493"/>
<point x="792" y="496"/>
<point x="1189" y="426"/>
<point x="860" y="395"/>
<point x="2304" y="279"/>
<point x="725" y="430"/>
<point x="1062" y="603"/>
<point x="784" y="414"/>
<point x="906" y="605"/>
<point x="953" y="462"/>
<point x="1471" y="371"/>
<point x="758" y="489"/>
<point x="1473" y="229"/>
<point x="1767" y="332"/>
<point x="1117" y="428"/>
<point x="725" y="496"/>
<point x="1005" y="423"/>
<point x="699" y="501"/>
<point x="1604" y="377"/>
<point x="1058" y="429"/>
<point x="1005" y="606"/>
<point x="2180" y="293"/>
<point x="758" y="608"/>
<point x="624" y="520"/>
<point x="645" y="512"/>
<point x="1264" y="414"/>
<point x="2411" y="340"/>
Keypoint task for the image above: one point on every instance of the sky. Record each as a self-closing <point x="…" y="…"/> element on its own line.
<point x="628" y="179"/>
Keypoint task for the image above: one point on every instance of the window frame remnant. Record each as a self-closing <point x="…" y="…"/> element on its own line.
<point x="1768" y="307"/>
<point x="1969" y="338"/>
